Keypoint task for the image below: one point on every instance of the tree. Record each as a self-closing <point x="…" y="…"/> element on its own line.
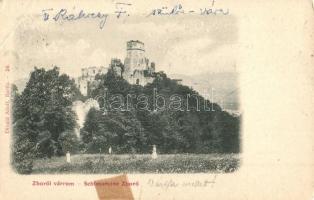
<point x="44" y="112"/>
<point x="69" y="142"/>
<point x="91" y="125"/>
<point x="121" y="130"/>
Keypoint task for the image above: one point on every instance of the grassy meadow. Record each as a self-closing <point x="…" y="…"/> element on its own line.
<point x="165" y="163"/>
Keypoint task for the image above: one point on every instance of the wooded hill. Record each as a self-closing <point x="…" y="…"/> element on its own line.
<point x="44" y="122"/>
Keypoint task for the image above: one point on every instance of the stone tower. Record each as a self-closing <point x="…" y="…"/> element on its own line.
<point x="135" y="58"/>
<point x="137" y="69"/>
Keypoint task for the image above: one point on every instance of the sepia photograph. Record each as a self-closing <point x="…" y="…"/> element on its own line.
<point x="127" y="94"/>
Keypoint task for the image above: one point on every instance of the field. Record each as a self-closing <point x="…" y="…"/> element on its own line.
<point x="165" y="163"/>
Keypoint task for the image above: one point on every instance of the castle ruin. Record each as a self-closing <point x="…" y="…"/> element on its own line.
<point x="136" y="69"/>
<point x="87" y="80"/>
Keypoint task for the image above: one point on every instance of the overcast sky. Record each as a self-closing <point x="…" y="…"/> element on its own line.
<point x="178" y="45"/>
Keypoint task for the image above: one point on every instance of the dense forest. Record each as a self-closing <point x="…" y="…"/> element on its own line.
<point x="44" y="123"/>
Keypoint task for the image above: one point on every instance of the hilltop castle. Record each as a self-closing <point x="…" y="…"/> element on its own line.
<point x="136" y="69"/>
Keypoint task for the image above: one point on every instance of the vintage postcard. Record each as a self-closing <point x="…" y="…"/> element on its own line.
<point x="136" y="99"/>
